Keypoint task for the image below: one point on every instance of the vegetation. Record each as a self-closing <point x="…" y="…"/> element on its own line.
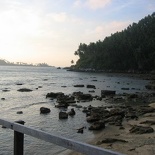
<point x="7" y="63"/>
<point x="132" y="49"/>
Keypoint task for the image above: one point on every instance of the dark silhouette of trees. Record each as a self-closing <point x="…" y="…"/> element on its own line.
<point x="132" y="49"/>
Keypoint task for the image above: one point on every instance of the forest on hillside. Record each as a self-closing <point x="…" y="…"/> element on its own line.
<point x="132" y="49"/>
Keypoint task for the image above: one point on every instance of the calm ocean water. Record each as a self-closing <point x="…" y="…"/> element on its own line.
<point x="43" y="80"/>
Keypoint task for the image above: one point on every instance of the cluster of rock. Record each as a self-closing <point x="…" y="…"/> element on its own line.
<point x="65" y="100"/>
<point x="151" y="85"/>
<point x="100" y="116"/>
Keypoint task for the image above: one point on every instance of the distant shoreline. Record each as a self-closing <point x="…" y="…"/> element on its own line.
<point x="27" y="65"/>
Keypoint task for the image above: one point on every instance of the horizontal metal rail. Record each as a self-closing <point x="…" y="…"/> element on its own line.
<point x="58" y="140"/>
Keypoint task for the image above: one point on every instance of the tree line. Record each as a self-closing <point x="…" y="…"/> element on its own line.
<point x="132" y="49"/>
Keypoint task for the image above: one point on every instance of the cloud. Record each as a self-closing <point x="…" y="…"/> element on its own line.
<point x="92" y="4"/>
<point x="97" y="4"/>
<point x="103" y="30"/>
<point x="58" y="17"/>
<point x="151" y="7"/>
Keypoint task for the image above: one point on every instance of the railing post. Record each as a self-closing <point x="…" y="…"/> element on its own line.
<point x="19" y="141"/>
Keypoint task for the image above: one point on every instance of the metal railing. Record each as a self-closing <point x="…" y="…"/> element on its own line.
<point x="20" y="130"/>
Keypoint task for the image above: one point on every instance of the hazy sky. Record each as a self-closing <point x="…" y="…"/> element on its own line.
<point x="51" y="30"/>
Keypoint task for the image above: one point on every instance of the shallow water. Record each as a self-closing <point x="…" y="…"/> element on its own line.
<point x="43" y="80"/>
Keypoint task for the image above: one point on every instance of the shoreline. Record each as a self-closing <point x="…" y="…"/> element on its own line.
<point x="136" y="144"/>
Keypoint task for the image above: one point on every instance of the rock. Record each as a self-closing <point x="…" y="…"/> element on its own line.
<point x="97" y="125"/>
<point x="91" y="91"/>
<point x="115" y="120"/>
<point x="19" y="112"/>
<point x="19" y="84"/>
<point x="91" y="86"/>
<point x="107" y="92"/>
<point x="63" y="115"/>
<point x="150" y="86"/>
<point x="4" y="127"/>
<point x="5" y="90"/>
<point x="99" y="98"/>
<point x="78" y="106"/>
<point x="93" y="118"/>
<point x="117" y="111"/>
<point x="79" y="85"/>
<point x="3" y="98"/>
<point x="125" y="88"/>
<point x="72" y="112"/>
<point x="112" y="140"/>
<point x="141" y="129"/>
<point x="80" y="130"/>
<point x="121" y="128"/>
<point x="132" y="96"/>
<point x="131" y="115"/>
<point x="149" y="122"/>
<point x="65" y="99"/>
<point x="24" y="90"/>
<point x="85" y="97"/>
<point x="61" y="105"/>
<point x="44" y="110"/>
<point x="85" y="110"/>
<point x="145" y="109"/>
<point x="54" y="95"/>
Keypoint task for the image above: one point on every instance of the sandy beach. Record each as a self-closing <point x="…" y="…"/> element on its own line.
<point x="132" y="143"/>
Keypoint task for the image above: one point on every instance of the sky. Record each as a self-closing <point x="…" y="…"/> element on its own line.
<point x="49" y="31"/>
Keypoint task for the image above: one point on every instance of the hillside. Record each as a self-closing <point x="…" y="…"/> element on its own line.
<point x="132" y="49"/>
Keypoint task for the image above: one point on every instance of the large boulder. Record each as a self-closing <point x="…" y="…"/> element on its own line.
<point x="44" y="110"/>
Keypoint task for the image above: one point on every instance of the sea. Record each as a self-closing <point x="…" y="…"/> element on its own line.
<point x="43" y="80"/>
